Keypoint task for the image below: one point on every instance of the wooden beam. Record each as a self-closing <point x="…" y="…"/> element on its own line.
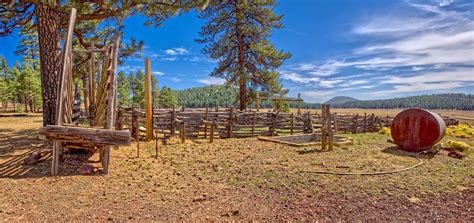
<point x="299" y="104"/>
<point x="148" y="101"/>
<point x="109" y="122"/>
<point x="67" y="49"/>
<point x="86" y="135"/>
<point x="92" y="76"/>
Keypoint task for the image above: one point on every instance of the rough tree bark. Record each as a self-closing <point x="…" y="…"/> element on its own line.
<point x="48" y="25"/>
<point x="241" y="60"/>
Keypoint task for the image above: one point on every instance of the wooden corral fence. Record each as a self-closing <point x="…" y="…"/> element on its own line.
<point x="232" y="123"/>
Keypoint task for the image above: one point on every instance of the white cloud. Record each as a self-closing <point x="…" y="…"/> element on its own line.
<point x="329" y="83"/>
<point x="353" y="83"/>
<point x="168" y="58"/>
<point x="444" y="3"/>
<point x="461" y="75"/>
<point x="211" y="81"/>
<point x="432" y="81"/>
<point x="177" y="51"/>
<point x="417" y="87"/>
<point x="292" y="76"/>
<point x="159" y="73"/>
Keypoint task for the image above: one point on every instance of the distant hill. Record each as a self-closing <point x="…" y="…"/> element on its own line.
<point x="435" y="101"/>
<point x="228" y="96"/>
<point x="340" y="100"/>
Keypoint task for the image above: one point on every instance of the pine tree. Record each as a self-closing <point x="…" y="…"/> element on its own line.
<point x="123" y="90"/>
<point x="138" y="89"/>
<point x="155" y="91"/>
<point x="49" y="18"/>
<point x="167" y="98"/>
<point x="237" y="34"/>
<point x="5" y="95"/>
<point x="28" y="46"/>
<point x="25" y="85"/>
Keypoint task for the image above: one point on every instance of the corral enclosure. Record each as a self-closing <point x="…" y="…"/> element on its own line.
<point x="232" y="179"/>
<point x="231" y="123"/>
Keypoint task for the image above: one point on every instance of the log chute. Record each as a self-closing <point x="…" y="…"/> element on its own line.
<point x="101" y="133"/>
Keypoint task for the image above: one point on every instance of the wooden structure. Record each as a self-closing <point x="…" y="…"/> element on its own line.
<point x="417" y="129"/>
<point x="148" y="100"/>
<point x="278" y="101"/>
<point x="102" y="134"/>
<point x="327" y="133"/>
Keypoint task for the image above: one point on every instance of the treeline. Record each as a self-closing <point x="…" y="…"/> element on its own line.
<point x="222" y="96"/>
<point x="457" y="101"/>
<point x="131" y="91"/>
<point x="20" y="85"/>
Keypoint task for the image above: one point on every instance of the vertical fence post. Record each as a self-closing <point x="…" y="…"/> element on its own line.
<point x="253" y="123"/>
<point x="148" y="101"/>
<point x="212" y="131"/>
<point x="291" y="123"/>
<point x="231" y="122"/>
<point x="205" y="125"/>
<point x="257" y="101"/>
<point x="183" y="132"/>
<point x="299" y="104"/>
<point x="173" y="119"/>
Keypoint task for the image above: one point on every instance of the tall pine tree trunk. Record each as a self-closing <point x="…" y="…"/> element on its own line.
<point x="31" y="105"/>
<point x="241" y="61"/>
<point x="243" y="95"/>
<point x="48" y="25"/>
<point x="26" y="104"/>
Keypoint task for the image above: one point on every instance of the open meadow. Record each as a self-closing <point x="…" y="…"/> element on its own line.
<point x="232" y="179"/>
<point x="461" y="115"/>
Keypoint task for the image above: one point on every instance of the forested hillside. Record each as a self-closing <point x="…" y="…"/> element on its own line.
<point x="228" y="96"/>
<point x="435" y="101"/>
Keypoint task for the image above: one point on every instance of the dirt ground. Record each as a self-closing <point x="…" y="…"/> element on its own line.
<point x="233" y="179"/>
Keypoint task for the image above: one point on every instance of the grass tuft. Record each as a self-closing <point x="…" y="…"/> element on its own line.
<point x="460" y="131"/>
<point x="384" y="131"/>
<point x="459" y="146"/>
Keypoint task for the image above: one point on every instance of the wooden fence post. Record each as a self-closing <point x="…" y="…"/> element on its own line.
<point x="275" y="116"/>
<point x="183" y="132"/>
<point x="173" y="119"/>
<point x="253" y="122"/>
<point x="299" y="104"/>
<point x="148" y="101"/>
<point x="211" y="140"/>
<point x="231" y="122"/>
<point x="257" y="102"/>
<point x="205" y="126"/>
<point x="292" y="123"/>
<point x="65" y="68"/>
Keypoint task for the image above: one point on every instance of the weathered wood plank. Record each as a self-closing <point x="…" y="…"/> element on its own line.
<point x="86" y="135"/>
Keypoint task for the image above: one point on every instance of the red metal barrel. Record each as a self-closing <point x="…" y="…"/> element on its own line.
<point x="417" y="129"/>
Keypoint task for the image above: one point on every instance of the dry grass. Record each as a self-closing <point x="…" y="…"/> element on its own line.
<point x="234" y="179"/>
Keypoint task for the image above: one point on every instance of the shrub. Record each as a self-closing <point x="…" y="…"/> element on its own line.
<point x="19" y="109"/>
<point x="460" y="131"/>
<point x="459" y="146"/>
<point x="384" y="131"/>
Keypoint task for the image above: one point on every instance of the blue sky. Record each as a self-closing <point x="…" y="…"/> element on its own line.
<point x="367" y="49"/>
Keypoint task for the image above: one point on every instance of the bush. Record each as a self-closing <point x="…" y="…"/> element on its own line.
<point x="19" y="109"/>
<point x="460" y="131"/>
<point x="384" y="131"/>
<point x="459" y="146"/>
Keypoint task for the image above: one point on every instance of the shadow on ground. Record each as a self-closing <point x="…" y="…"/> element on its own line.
<point x="18" y="146"/>
<point x="395" y="150"/>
